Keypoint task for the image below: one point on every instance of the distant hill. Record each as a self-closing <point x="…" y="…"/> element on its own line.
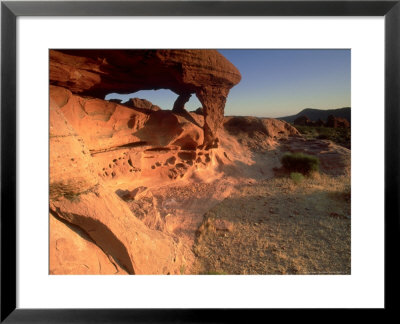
<point x="315" y="114"/>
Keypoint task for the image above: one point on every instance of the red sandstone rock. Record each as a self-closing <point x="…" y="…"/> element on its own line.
<point x="199" y="111"/>
<point x="165" y="128"/>
<point x="278" y="128"/>
<point x="337" y="122"/>
<point x="71" y="171"/>
<point x="72" y="252"/>
<point x="334" y="159"/>
<point x="270" y="127"/>
<point x="258" y="133"/>
<point x="107" y="220"/>
<point x="103" y="125"/>
<point x="100" y="72"/>
<point x="141" y="104"/>
<point x="302" y="121"/>
<point x="79" y="198"/>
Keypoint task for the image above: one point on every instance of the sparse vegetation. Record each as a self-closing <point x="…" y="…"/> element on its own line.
<point x="182" y="269"/>
<point x="280" y="228"/>
<point x="300" y="163"/>
<point x="341" y="136"/>
<point x="296" y="177"/>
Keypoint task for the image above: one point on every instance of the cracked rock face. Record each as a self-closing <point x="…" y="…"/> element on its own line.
<point x="97" y="73"/>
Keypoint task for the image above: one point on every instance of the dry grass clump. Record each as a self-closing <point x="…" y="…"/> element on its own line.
<point x="296" y="177"/>
<point x="300" y="162"/>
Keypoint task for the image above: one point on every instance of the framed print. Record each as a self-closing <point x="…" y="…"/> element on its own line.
<point x="184" y="156"/>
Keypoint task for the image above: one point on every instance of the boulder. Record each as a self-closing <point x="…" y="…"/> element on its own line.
<point x="337" y="122"/>
<point x="256" y="133"/>
<point x="164" y="128"/>
<point x="251" y="126"/>
<point x="134" y="194"/>
<point x="302" y="121"/>
<point x="276" y="128"/>
<point x="199" y="111"/>
<point x="141" y="104"/>
<point x="118" y="101"/>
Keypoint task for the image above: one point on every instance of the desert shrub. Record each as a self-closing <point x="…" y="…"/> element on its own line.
<point x="296" y="177"/>
<point x="341" y="136"/>
<point x="308" y="132"/>
<point x="300" y="162"/>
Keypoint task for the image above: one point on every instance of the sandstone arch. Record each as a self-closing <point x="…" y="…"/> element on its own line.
<point x="205" y="73"/>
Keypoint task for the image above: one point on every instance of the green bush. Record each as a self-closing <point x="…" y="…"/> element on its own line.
<point x="300" y="162"/>
<point x="296" y="177"/>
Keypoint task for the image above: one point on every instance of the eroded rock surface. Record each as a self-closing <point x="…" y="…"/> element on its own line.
<point x="71" y="170"/>
<point x="79" y="197"/>
<point x="107" y="220"/>
<point x="259" y="133"/>
<point x="120" y="141"/>
<point x="334" y="159"/>
<point x="73" y="252"/>
<point x="97" y="73"/>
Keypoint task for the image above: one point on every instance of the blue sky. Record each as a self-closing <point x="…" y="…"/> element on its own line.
<point x="276" y="83"/>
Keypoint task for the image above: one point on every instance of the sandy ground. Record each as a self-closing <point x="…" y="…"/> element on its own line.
<point x="243" y="219"/>
<point x="178" y="208"/>
<point x="277" y="227"/>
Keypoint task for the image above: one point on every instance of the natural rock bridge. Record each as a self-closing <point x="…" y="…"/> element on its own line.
<point x="97" y="73"/>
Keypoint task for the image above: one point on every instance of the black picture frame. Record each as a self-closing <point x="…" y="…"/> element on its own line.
<point x="10" y="10"/>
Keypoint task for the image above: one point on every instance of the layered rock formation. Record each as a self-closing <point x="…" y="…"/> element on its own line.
<point x="101" y="224"/>
<point x="102" y="153"/>
<point x="97" y="73"/>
